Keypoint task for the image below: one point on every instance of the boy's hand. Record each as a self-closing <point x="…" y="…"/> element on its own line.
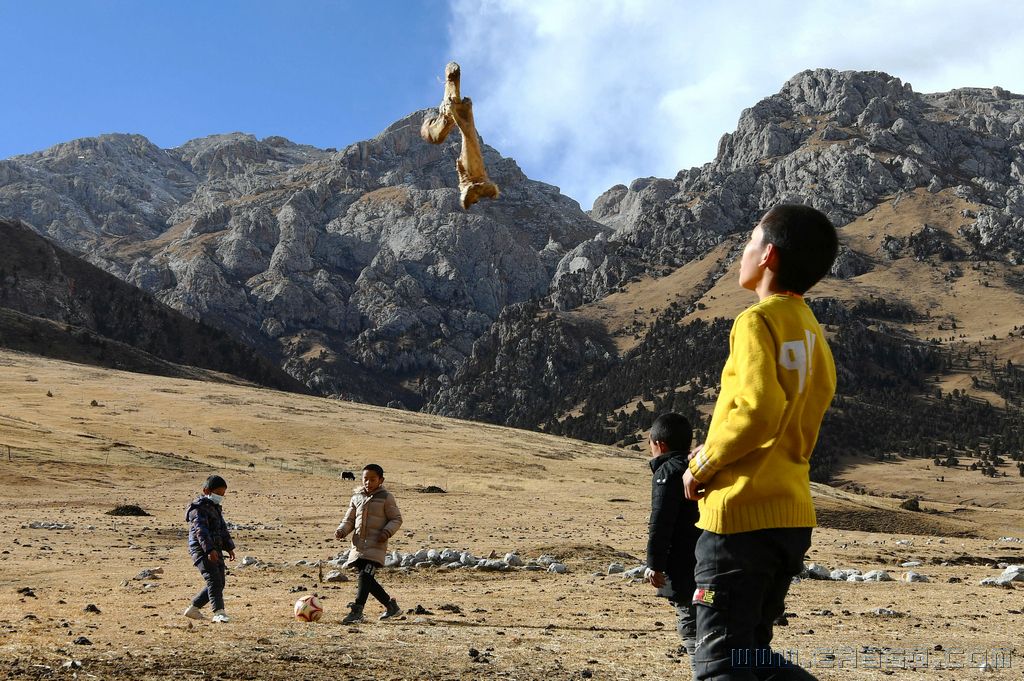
<point x="231" y="555"/>
<point x="338" y="534"/>
<point x="657" y="579"/>
<point x="694" y="452"/>
<point x="690" y="486"/>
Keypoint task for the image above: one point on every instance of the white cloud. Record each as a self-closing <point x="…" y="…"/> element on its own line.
<point x="590" y="93"/>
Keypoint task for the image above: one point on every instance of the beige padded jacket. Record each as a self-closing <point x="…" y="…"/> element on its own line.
<point x="372" y="519"/>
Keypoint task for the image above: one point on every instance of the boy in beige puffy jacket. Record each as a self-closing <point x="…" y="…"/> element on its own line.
<point x="372" y="518"/>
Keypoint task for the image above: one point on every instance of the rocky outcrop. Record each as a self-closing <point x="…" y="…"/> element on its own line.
<point x="840" y="141"/>
<point x="346" y="264"/>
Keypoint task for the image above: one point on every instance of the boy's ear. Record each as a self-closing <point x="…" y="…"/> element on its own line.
<point x="769" y="257"/>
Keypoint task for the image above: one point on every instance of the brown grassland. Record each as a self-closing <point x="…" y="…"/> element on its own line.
<point x="507" y="490"/>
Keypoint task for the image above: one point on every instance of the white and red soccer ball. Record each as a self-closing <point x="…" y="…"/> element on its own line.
<point x="309" y="609"/>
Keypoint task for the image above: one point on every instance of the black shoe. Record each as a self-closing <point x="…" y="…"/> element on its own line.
<point x="354" y="616"/>
<point x="391" y="609"/>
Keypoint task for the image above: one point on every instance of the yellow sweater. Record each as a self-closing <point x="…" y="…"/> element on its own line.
<point x="776" y="385"/>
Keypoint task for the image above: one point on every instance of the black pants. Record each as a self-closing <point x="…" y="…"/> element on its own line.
<point x="686" y="626"/>
<point x="742" y="582"/>
<point x="368" y="584"/>
<point x="214" y="574"/>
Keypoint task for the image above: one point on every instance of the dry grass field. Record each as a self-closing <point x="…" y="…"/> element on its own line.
<point x="151" y="441"/>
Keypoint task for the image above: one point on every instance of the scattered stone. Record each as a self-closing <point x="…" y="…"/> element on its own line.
<point x="911" y="576"/>
<point x="1013" y="573"/>
<point x="885" y="612"/>
<point x="127" y="510"/>
<point x="420" y="610"/>
<point x="27" y="592"/>
<point x="473" y="652"/>
<point x="42" y="525"/>
<point x="149" y="573"/>
<point x="91" y="608"/>
<point x="431" y="489"/>
<point x="911" y="504"/>
<point x="248" y="561"/>
<point x="616" y="568"/>
<point x="513" y="560"/>
<point x="954" y="580"/>
<point x="72" y="664"/>
<point x="558" y="568"/>
<point x="82" y="641"/>
<point x="297" y="589"/>
<point x="336" y="576"/>
<point x="843" y="575"/>
<point x="877" y="576"/>
<point x="451" y="607"/>
<point x="635" y="573"/>
<point x="493" y="564"/>
<point x="911" y="563"/>
<point x="815" y="571"/>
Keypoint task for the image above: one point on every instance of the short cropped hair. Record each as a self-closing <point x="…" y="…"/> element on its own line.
<point x="674" y="430"/>
<point x="806" y="242"/>
<point x="375" y="468"/>
<point x="215" y="482"/>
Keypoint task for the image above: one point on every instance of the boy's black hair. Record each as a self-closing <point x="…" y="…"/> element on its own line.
<point x="375" y="468"/>
<point x="806" y="242"/>
<point x="674" y="430"/>
<point x="215" y="482"/>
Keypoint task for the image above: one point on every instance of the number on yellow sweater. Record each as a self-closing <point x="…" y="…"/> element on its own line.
<point x="796" y="356"/>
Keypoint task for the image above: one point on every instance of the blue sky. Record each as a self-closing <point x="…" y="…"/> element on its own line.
<point x="584" y="94"/>
<point x="318" y="72"/>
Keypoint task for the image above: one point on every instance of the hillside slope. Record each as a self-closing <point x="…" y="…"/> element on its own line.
<point x="55" y="304"/>
<point x="924" y="306"/>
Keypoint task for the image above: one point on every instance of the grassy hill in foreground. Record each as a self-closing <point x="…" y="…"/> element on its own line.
<point x="152" y="440"/>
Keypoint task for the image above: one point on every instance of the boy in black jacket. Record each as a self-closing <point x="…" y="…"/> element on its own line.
<point x="672" y="534"/>
<point x="208" y="540"/>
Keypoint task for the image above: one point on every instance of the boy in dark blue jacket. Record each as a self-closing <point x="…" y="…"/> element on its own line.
<point x="672" y="534"/>
<point x="208" y="539"/>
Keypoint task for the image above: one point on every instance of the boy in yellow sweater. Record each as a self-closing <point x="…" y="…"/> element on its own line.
<point x="751" y="475"/>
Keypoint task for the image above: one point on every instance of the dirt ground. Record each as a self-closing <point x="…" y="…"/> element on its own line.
<point x="507" y="490"/>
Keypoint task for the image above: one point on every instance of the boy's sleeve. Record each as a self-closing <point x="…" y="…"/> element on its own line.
<point x="666" y="503"/>
<point x="348" y="523"/>
<point x="201" y="524"/>
<point x="756" y="411"/>
<point x="229" y="543"/>
<point x="394" y="516"/>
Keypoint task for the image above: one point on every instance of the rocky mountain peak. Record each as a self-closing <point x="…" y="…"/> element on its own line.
<point x="356" y="268"/>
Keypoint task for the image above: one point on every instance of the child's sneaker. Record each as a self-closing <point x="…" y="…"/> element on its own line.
<point x="193" y="613"/>
<point x="354" y="615"/>
<point x="391" y="609"/>
<point x="220" y="616"/>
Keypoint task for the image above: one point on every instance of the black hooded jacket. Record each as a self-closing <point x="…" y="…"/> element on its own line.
<point x="672" y="533"/>
<point x="207" y="530"/>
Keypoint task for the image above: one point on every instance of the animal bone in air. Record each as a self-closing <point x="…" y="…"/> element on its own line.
<point x="454" y="110"/>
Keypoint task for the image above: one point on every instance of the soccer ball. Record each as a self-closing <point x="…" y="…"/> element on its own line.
<point x="309" y="609"/>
